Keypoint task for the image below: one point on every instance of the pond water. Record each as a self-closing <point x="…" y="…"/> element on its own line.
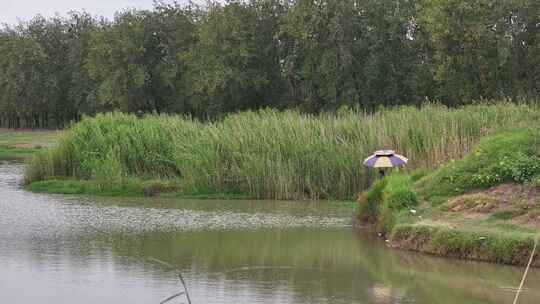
<point x="58" y="249"/>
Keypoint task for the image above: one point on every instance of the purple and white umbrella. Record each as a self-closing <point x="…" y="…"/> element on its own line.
<point x="385" y="159"/>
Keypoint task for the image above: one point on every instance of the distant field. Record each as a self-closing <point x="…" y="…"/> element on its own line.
<point x="21" y="144"/>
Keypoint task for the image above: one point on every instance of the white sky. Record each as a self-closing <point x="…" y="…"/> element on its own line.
<point x="13" y="10"/>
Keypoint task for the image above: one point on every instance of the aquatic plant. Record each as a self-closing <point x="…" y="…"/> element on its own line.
<point x="270" y="154"/>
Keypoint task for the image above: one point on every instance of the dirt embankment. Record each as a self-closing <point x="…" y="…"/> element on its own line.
<point x="498" y="224"/>
<point x="514" y="203"/>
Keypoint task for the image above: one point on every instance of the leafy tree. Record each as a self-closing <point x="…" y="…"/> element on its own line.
<point x="79" y="100"/>
<point x="22" y="78"/>
<point x="483" y="48"/>
<point x="354" y="52"/>
<point x="137" y="62"/>
<point x="236" y="63"/>
<point x="311" y="55"/>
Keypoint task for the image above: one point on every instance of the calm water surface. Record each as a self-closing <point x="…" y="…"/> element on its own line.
<point x="57" y="249"/>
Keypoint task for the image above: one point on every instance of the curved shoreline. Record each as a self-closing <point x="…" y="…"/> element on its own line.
<point x="487" y="246"/>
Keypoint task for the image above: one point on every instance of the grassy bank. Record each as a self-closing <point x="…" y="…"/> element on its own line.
<point x="268" y="154"/>
<point x="23" y="144"/>
<point x="485" y="206"/>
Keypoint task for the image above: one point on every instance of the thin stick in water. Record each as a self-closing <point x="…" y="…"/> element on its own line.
<point x="526" y="271"/>
<point x="179" y="276"/>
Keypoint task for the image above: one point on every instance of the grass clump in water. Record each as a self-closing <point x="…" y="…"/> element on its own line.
<point x="269" y="154"/>
<point x="11" y="153"/>
<point x="121" y="187"/>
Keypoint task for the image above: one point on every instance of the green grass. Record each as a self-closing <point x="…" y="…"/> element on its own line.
<point x="20" y="145"/>
<point x="131" y="187"/>
<point x="127" y="187"/>
<point x="388" y="202"/>
<point x="370" y="202"/>
<point x="43" y="138"/>
<point x="512" y="156"/>
<point x="487" y="245"/>
<point x="11" y="153"/>
<point x="270" y="154"/>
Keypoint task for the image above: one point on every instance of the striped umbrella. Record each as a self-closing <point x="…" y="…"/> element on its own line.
<point x="385" y="159"/>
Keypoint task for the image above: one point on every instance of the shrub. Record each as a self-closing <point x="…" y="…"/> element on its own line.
<point x="370" y="202"/>
<point x="398" y="192"/>
<point x="387" y="200"/>
<point x="398" y="199"/>
<point x="418" y="174"/>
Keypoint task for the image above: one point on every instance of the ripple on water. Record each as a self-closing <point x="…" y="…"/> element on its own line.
<point x="24" y="214"/>
<point x="50" y="248"/>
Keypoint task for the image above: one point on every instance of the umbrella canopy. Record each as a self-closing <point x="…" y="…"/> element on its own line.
<point x="385" y="159"/>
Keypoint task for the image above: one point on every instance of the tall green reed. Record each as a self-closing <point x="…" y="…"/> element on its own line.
<point x="271" y="154"/>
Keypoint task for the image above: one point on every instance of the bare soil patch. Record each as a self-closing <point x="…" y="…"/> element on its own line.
<point x="517" y="203"/>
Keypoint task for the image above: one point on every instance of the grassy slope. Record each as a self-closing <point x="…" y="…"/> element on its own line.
<point x="449" y="212"/>
<point x="268" y="154"/>
<point x="24" y="144"/>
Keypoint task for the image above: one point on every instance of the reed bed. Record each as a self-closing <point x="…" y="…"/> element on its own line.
<point x="270" y="154"/>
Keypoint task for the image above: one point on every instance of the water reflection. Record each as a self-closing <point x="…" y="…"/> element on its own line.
<point x="70" y="250"/>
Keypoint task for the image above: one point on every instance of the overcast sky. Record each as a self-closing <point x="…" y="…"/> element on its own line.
<point x="13" y="10"/>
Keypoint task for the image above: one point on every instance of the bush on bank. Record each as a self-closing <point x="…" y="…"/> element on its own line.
<point x="370" y="202"/>
<point x="269" y="154"/>
<point x="388" y="202"/>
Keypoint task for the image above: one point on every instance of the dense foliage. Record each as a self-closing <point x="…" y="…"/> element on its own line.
<point x="307" y="55"/>
<point x="269" y="154"/>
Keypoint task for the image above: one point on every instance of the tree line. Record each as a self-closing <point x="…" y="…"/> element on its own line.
<point x="310" y="55"/>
